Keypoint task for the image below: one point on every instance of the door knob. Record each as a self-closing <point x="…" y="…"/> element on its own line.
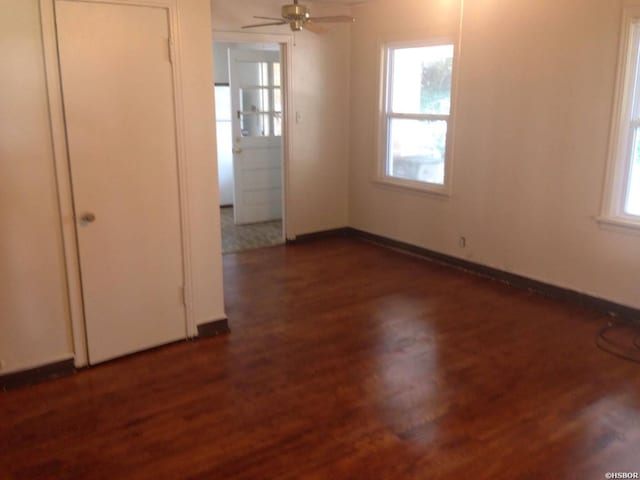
<point x="87" y="218"/>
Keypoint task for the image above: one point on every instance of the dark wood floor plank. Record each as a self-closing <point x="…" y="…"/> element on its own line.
<point x="346" y="360"/>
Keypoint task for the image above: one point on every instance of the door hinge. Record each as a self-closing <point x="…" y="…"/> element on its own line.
<point x="183" y="296"/>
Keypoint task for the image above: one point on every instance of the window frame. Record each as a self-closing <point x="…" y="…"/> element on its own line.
<point x="623" y="126"/>
<point x="385" y="115"/>
<point x="270" y="88"/>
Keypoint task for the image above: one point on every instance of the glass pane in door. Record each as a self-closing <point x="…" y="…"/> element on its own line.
<point x="254" y="100"/>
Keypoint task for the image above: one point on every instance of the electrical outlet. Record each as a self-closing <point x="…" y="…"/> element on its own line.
<point x="462" y="242"/>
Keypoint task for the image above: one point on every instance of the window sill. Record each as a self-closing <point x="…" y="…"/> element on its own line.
<point x="414" y="186"/>
<point x="620" y="224"/>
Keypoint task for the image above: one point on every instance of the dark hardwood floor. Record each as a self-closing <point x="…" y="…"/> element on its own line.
<point x="345" y="361"/>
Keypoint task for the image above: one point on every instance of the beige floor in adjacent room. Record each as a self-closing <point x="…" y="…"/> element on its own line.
<point x="236" y="238"/>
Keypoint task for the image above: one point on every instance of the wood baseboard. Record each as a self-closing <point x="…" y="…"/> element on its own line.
<point x="602" y="305"/>
<point x="605" y="306"/>
<point x="336" y="232"/>
<point x="214" y="328"/>
<point x="36" y="375"/>
<point x="51" y="371"/>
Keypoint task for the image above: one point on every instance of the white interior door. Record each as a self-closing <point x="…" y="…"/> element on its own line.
<point x="118" y="97"/>
<point x="256" y="101"/>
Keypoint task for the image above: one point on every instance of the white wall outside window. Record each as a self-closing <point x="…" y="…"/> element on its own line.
<point x="621" y="203"/>
<point x="415" y="117"/>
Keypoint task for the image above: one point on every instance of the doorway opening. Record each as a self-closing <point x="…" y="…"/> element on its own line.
<point x="249" y="126"/>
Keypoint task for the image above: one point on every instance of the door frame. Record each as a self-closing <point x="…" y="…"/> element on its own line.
<point x="286" y="62"/>
<point x="75" y="303"/>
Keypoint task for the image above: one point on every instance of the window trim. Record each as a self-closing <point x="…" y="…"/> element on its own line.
<point x="618" y="167"/>
<point x="384" y="116"/>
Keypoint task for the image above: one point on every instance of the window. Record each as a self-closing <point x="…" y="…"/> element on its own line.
<point x="416" y="115"/>
<point x="621" y="204"/>
<point x="260" y="102"/>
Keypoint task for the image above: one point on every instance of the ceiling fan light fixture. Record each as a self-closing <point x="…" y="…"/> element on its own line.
<point x="299" y="18"/>
<point x="296" y="25"/>
<point x="296" y="12"/>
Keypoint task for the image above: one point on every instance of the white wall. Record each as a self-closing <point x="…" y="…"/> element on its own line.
<point x="221" y="61"/>
<point x="34" y="321"/>
<point x="318" y="170"/>
<point x="34" y="318"/>
<point x="532" y="126"/>
<point x="200" y="142"/>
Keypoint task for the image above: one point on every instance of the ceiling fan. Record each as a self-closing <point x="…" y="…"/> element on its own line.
<point x="299" y="17"/>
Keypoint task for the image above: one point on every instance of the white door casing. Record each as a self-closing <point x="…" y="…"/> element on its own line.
<point x="117" y="83"/>
<point x="257" y="124"/>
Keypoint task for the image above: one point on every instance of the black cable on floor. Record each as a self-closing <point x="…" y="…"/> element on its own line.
<point x="630" y="351"/>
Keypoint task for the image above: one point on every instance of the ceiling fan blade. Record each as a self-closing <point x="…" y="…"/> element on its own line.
<point x="312" y="27"/>
<point x="333" y="19"/>
<point x="275" y="19"/>
<point x="265" y="24"/>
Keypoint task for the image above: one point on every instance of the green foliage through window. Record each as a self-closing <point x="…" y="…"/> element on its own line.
<point x="436" y="84"/>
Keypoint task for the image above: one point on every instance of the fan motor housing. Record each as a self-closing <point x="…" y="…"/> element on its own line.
<point x="294" y="13"/>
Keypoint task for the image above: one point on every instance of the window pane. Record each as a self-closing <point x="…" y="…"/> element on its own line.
<point x="255" y="125"/>
<point x="276" y="74"/>
<point x="632" y="206"/>
<point x="277" y="125"/>
<point x="417" y="150"/>
<point x="261" y="124"/>
<point x="254" y="100"/>
<point x="253" y="74"/>
<point x="421" y="79"/>
<point x="277" y="100"/>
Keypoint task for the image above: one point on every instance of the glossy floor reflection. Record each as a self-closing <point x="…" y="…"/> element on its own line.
<point x="345" y="361"/>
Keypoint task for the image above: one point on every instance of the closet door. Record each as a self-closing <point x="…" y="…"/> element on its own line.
<point x="118" y="96"/>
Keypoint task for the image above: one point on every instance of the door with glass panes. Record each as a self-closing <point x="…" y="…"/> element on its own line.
<point x="256" y="101"/>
